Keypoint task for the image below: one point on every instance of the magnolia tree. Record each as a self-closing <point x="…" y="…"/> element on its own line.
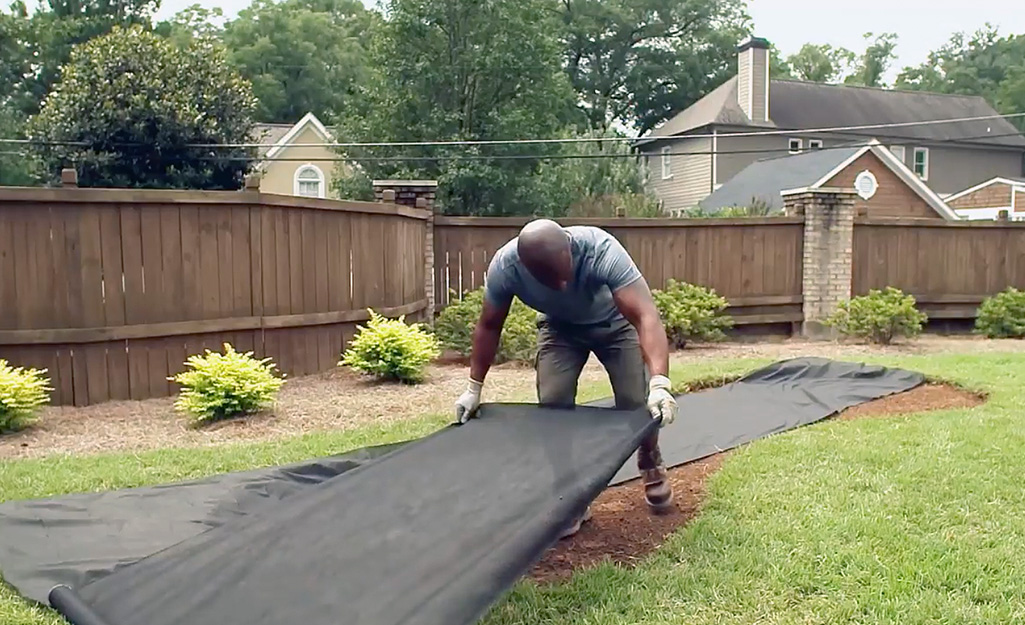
<point x="131" y="108"/>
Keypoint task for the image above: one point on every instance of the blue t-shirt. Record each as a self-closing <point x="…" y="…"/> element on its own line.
<point x="601" y="265"/>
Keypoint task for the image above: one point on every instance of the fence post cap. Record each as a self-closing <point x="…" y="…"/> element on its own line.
<point x="69" y="177"/>
<point x="388" y="195"/>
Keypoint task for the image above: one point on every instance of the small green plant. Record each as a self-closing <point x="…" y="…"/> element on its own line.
<point x="222" y="385"/>
<point x="22" y="392"/>
<point x="691" y="313"/>
<point x="1002" y="315"/>
<point x="391" y="349"/>
<point x="879" y="317"/>
<point x="454" y="328"/>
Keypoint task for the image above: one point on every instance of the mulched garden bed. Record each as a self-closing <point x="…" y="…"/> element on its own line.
<point x="622" y="530"/>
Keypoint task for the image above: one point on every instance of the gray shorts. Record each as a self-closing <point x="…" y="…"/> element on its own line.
<point x="563" y="351"/>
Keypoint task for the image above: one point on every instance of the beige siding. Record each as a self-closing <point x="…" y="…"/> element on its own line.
<point x="279" y="176"/>
<point x="690" y="178"/>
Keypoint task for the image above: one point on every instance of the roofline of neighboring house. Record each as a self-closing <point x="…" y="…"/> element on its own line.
<point x="1014" y="184"/>
<point x="284" y="142"/>
<point x="897" y="167"/>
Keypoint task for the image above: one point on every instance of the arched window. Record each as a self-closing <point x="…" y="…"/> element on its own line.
<point x="309" y="181"/>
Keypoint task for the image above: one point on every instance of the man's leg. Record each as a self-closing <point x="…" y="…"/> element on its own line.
<point x="560" y="359"/>
<point x="619" y="351"/>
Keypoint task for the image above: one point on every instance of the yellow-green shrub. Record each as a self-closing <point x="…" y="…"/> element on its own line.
<point x="391" y="349"/>
<point x="1002" y="316"/>
<point x="691" y="312"/>
<point x="455" y="324"/>
<point x="222" y="385"/>
<point x="22" y="392"/>
<point x="879" y="317"/>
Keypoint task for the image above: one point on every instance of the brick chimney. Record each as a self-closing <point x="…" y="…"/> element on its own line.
<point x="753" y="78"/>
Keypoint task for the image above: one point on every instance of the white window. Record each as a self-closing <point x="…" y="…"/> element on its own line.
<point x="815" y="144"/>
<point x="309" y="181"/>
<point x="795" y="146"/>
<point x="922" y="163"/>
<point x="667" y="165"/>
<point x="898" y="151"/>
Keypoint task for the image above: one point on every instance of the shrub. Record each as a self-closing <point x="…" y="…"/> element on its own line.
<point x="22" y="392"/>
<point x="454" y="328"/>
<point x="879" y="316"/>
<point x="1002" y="315"/>
<point x="217" y="386"/>
<point x="391" y="349"/>
<point x="691" y="312"/>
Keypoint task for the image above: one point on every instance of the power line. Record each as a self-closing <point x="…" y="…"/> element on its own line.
<point x="482" y="142"/>
<point x="782" y="152"/>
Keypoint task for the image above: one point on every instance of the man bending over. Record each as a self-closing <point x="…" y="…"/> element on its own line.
<point x="591" y="298"/>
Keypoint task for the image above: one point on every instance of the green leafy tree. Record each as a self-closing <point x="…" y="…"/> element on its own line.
<point x="129" y="106"/>
<point x="193" y="22"/>
<point x="821" y="63"/>
<point x="17" y="165"/>
<point x="982" y="63"/>
<point x="456" y="70"/>
<point x="301" y="55"/>
<point x="638" y="62"/>
<point x="875" y="61"/>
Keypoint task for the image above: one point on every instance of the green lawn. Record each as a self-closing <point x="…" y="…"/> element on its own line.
<point x="901" y="520"/>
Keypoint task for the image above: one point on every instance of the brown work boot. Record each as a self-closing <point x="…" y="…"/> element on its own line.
<point x="575" y="526"/>
<point x="658" y="492"/>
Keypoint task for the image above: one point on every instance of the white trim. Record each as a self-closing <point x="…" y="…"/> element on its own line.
<point x="871" y="178"/>
<point x="666" y="159"/>
<point x="715" y="158"/>
<point x="917" y="184"/>
<point x="903" y="172"/>
<point x="800" y="145"/>
<point x="903" y="152"/>
<point x="914" y="161"/>
<point x="321" y="180"/>
<point x="814" y="147"/>
<point x="983" y="185"/>
<point x="308" y="120"/>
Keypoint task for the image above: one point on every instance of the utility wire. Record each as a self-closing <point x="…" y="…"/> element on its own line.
<point x="782" y="152"/>
<point x="753" y="133"/>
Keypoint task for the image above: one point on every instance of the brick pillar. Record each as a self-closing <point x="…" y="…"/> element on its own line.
<point x="419" y="194"/>
<point x="828" y="241"/>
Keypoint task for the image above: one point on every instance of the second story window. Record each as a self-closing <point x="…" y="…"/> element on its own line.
<point x="795" y="146"/>
<point x="815" y="144"/>
<point x="922" y="163"/>
<point x="667" y="165"/>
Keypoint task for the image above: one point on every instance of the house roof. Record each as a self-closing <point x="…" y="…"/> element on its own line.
<point x="1008" y="180"/>
<point x="273" y="138"/>
<point x="766" y="179"/>
<point x="797" y="105"/>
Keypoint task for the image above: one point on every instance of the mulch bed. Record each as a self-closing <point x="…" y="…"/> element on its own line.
<point x="622" y="530"/>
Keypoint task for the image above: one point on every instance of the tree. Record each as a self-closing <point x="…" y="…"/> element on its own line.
<point x="983" y="63"/>
<point x="874" y="62"/>
<point x="301" y="55"/>
<point x="458" y="70"/>
<point x="17" y="168"/>
<point x="193" y="22"/>
<point x="820" y="63"/>
<point x="637" y="62"/>
<point x="48" y="35"/>
<point x="130" y="104"/>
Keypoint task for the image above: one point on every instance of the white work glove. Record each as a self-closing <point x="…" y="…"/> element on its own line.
<point x="661" y="402"/>
<point x="468" y="402"/>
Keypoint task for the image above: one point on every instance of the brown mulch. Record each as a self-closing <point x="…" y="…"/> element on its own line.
<point x="622" y="530"/>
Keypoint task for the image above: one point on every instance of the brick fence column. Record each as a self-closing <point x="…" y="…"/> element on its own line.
<point x="827" y="261"/>
<point x="420" y="194"/>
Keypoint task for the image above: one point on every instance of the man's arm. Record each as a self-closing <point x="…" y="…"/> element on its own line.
<point x="637" y="305"/>
<point x="486" y="335"/>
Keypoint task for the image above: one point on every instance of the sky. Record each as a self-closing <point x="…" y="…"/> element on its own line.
<point x="920" y="25"/>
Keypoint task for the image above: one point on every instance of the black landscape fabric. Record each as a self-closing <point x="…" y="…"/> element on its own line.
<point x="80" y="540"/>
<point x="432" y="535"/>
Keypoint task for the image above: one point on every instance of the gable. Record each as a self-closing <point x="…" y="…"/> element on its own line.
<point x="893" y="196"/>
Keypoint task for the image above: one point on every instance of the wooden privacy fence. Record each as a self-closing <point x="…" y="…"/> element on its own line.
<point x="950" y="267"/>
<point x="755" y="263"/>
<point x="110" y="290"/>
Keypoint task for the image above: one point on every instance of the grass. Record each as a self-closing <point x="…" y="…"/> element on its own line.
<point x="899" y="520"/>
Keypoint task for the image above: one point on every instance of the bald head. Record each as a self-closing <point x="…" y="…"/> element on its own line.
<point x="544" y="248"/>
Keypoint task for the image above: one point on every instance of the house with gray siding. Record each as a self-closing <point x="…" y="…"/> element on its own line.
<point x="751" y="117"/>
